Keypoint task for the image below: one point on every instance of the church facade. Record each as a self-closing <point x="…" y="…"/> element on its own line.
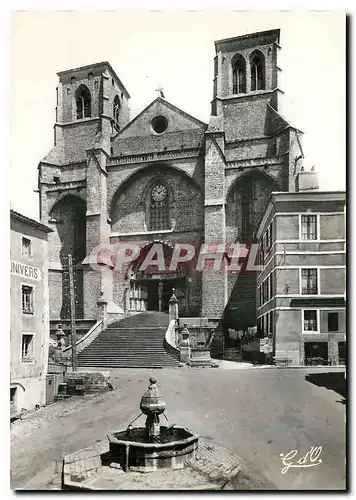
<point x="164" y="177"/>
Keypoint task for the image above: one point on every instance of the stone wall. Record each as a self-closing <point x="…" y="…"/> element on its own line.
<point x="130" y="206"/>
<point x="174" y="140"/>
<point x="290" y="340"/>
<point x="92" y="382"/>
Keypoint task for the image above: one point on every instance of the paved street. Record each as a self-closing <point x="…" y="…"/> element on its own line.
<point x="257" y="413"/>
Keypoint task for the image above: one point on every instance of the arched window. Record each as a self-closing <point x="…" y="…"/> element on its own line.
<point x="116" y="109"/>
<point x="257" y="61"/>
<point x="158" y="207"/>
<point x="238" y="75"/>
<point x="83" y="102"/>
<point x="247" y="201"/>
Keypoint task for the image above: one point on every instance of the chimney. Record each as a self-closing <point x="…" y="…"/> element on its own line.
<point x="307" y="181"/>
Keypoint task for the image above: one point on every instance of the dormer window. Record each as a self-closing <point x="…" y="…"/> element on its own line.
<point x="83" y="102"/>
<point x="116" y="110"/>
<point x="238" y="75"/>
<point x="257" y="61"/>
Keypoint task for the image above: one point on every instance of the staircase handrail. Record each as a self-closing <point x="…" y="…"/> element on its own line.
<point x="86" y="339"/>
<point x="170" y="340"/>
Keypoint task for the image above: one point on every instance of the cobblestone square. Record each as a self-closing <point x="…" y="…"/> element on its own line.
<point x="260" y="414"/>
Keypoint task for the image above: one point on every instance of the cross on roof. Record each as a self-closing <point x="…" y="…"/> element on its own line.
<point x="159" y="91"/>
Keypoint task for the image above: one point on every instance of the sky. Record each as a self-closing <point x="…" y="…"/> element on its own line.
<point x="176" y="50"/>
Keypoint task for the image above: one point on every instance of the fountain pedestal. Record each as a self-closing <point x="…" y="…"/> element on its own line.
<point x="152" y="404"/>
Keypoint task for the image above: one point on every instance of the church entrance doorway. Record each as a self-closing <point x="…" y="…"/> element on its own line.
<point x="151" y="289"/>
<point x="153" y="294"/>
<point x="159" y="291"/>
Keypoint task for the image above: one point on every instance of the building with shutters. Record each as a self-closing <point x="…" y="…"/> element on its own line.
<point x="29" y="303"/>
<point x="301" y="288"/>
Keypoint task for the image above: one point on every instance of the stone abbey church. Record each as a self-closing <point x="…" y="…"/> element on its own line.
<point x="164" y="176"/>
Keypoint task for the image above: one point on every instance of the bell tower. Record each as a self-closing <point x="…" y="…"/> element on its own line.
<point x="246" y="71"/>
<point x="251" y="150"/>
<point x="91" y="100"/>
<point x="92" y="106"/>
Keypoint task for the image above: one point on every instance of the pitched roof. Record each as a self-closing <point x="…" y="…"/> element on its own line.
<point x="170" y="106"/>
<point x="30" y="222"/>
<point x="283" y="122"/>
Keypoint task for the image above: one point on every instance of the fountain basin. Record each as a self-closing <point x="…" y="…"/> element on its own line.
<point x="135" y="451"/>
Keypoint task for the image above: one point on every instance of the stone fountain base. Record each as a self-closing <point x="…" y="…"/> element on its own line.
<point x="138" y="455"/>
<point x="214" y="467"/>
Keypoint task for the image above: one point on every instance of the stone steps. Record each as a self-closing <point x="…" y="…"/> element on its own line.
<point x="134" y="342"/>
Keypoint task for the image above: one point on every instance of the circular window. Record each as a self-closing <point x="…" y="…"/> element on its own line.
<point x="159" y="124"/>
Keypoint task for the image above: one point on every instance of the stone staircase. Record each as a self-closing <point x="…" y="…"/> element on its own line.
<point x="133" y="342"/>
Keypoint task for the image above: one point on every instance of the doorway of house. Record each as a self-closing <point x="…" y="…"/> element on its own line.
<point x="316" y="353"/>
<point x="342" y="353"/>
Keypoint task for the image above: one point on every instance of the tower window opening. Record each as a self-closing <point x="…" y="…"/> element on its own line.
<point x="116" y="109"/>
<point x="83" y="102"/>
<point x="238" y="75"/>
<point x="257" y="71"/>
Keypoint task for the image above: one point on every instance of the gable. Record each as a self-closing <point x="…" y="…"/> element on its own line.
<point x="177" y="120"/>
<point x="182" y="130"/>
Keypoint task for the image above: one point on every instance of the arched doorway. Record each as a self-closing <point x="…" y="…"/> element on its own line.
<point x="68" y="218"/>
<point x="150" y="287"/>
<point x="246" y="202"/>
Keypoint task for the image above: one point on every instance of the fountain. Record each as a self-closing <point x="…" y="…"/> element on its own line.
<point x="151" y="457"/>
<point x="154" y="446"/>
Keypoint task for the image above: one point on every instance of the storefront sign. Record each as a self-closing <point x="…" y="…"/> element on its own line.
<point x="25" y="271"/>
<point x="266" y="345"/>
